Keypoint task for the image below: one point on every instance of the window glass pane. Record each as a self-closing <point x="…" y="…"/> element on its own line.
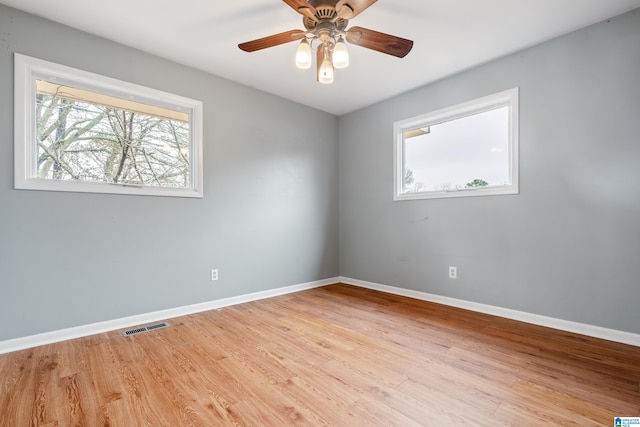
<point x="467" y="152"/>
<point x="88" y="136"/>
<point x="469" y="149"/>
<point x="83" y="132"/>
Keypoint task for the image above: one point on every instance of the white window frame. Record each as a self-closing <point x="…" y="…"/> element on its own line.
<point x="508" y="98"/>
<point x="28" y="70"/>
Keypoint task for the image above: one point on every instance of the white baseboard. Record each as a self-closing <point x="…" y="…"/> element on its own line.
<point x="563" y="325"/>
<point x="127" y="322"/>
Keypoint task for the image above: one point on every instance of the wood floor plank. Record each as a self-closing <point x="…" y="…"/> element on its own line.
<point x="335" y="356"/>
<point x="295" y="351"/>
<point x="442" y="406"/>
<point x="368" y="413"/>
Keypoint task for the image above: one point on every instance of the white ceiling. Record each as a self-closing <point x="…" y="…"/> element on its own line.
<point x="449" y="36"/>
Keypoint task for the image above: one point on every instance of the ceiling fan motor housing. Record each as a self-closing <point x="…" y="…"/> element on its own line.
<point x="326" y="16"/>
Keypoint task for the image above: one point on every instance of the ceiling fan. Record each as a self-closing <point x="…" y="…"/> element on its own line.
<point x="325" y="23"/>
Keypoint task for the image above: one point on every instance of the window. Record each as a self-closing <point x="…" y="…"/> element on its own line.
<point x="79" y="131"/>
<point x="470" y="149"/>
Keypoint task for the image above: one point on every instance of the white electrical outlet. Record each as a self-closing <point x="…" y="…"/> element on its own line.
<point x="214" y="274"/>
<point x="453" y="272"/>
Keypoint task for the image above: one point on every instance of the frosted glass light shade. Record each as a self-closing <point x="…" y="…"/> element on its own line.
<point x="303" y="55"/>
<point x="325" y="73"/>
<point x="340" y="54"/>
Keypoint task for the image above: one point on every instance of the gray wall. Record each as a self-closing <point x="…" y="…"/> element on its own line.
<point x="568" y="246"/>
<point x="269" y="216"/>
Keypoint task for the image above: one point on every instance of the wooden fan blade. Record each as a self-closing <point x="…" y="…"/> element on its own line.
<point x="348" y="9"/>
<point x="381" y="42"/>
<point x="303" y="8"/>
<point x="270" y="41"/>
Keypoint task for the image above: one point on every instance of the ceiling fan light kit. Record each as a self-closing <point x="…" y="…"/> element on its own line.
<point x="325" y="23"/>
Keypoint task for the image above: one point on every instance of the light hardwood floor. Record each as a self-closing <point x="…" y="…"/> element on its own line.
<point x="337" y="355"/>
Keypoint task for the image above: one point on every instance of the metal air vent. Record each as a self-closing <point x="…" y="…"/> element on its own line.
<point x="143" y="329"/>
